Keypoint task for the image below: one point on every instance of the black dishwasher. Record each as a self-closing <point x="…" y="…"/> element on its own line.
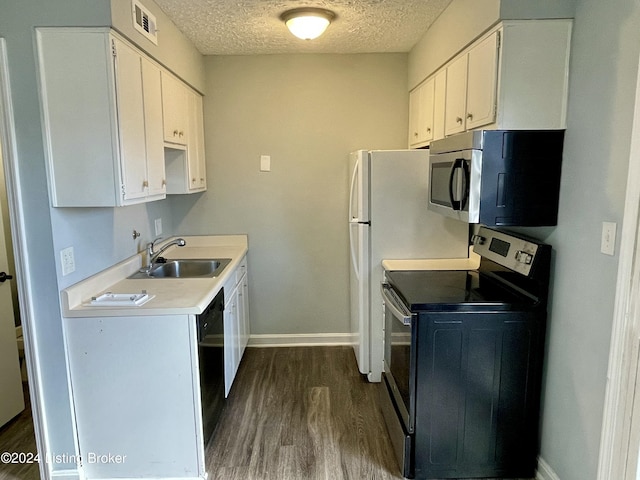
<point x="210" y="324"/>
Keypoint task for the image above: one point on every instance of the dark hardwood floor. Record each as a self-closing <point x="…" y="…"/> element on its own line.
<point x="299" y="413"/>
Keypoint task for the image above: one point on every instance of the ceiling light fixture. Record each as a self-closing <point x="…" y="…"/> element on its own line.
<point x="307" y="23"/>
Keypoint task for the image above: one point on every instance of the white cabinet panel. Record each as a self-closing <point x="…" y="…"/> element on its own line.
<point x="183" y="116"/>
<point x="174" y="108"/>
<point x="134" y="382"/>
<point x="236" y="322"/>
<point x="421" y="113"/>
<point x="152" y="90"/>
<point x="456" y="96"/>
<point x="439" y="103"/>
<point x="100" y="125"/>
<point x="195" y="147"/>
<point x="482" y="78"/>
<point x="130" y="107"/>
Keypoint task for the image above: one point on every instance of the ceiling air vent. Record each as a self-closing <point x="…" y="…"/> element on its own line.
<point x="145" y="22"/>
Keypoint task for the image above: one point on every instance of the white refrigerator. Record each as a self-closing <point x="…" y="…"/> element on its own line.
<point x="389" y="219"/>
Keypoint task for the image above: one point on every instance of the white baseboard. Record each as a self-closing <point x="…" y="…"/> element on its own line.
<point x="301" y="340"/>
<point x="545" y="472"/>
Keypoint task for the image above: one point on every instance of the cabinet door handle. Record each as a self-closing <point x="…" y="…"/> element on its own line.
<point x="415" y="134"/>
<point x="470" y="116"/>
<point x="175" y="133"/>
<point x="428" y="129"/>
<point x="459" y="120"/>
<point x="164" y="182"/>
<point x="145" y="184"/>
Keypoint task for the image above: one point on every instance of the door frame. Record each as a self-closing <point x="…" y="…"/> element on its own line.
<point x="18" y="235"/>
<point x="620" y="435"/>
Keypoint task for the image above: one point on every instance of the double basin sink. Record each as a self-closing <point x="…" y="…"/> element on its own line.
<point x="185" y="268"/>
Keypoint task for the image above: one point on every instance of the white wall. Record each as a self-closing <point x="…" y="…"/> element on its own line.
<point x="308" y="112"/>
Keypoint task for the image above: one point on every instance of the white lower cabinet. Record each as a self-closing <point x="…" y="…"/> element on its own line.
<point x="136" y="396"/>
<point x="236" y="322"/>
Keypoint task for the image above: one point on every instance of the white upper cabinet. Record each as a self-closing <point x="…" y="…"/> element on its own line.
<point x="195" y="145"/>
<point x="471" y="87"/>
<point x="513" y="77"/>
<point x="421" y="113"/>
<point x="103" y="135"/>
<point x="439" y="103"/>
<point x="174" y="108"/>
<point x="456" y="96"/>
<point x="182" y="110"/>
<point x="482" y="81"/>
<point x="153" y="121"/>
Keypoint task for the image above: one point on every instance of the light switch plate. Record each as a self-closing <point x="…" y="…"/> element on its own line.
<point x="265" y="163"/>
<point x="158" y="226"/>
<point x="68" y="261"/>
<point x="608" y="240"/>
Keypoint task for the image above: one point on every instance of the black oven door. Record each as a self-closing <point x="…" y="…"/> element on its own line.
<point x="399" y="356"/>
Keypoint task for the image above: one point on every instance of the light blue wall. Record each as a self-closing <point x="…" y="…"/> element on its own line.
<point x="307" y="112"/>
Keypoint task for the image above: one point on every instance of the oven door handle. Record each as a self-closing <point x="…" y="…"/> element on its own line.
<point x="395" y="305"/>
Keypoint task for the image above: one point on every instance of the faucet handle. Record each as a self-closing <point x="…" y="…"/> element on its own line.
<point x="151" y="245"/>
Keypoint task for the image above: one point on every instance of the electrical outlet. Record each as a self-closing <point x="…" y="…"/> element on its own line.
<point x="608" y="240"/>
<point x="158" y="226"/>
<point x="68" y="261"/>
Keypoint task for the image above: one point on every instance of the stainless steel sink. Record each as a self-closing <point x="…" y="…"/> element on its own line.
<point x="185" y="268"/>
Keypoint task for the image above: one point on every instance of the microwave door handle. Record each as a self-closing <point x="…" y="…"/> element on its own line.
<point x="455" y="204"/>
<point x="467" y="184"/>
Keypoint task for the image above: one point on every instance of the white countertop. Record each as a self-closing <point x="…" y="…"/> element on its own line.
<point x="171" y="296"/>
<point x="471" y="263"/>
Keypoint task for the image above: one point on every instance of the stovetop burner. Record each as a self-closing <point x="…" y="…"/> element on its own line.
<point x="454" y="290"/>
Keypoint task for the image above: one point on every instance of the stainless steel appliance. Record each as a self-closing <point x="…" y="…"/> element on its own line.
<point x="497" y="177"/>
<point x="211" y="363"/>
<point x="463" y="354"/>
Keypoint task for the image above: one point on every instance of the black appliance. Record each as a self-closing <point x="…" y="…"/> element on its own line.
<point x="210" y="324"/>
<point x="463" y="354"/>
<point x="497" y="177"/>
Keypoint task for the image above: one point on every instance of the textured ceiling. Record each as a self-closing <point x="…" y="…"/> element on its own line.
<point x="250" y="27"/>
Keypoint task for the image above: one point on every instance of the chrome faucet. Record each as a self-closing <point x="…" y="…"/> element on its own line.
<point x="152" y="255"/>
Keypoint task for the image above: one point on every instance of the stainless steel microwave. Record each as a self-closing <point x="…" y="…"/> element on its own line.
<point x="497" y="177"/>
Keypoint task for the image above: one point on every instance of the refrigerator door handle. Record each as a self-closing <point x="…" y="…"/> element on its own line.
<point x="354" y="177"/>
<point x="354" y="260"/>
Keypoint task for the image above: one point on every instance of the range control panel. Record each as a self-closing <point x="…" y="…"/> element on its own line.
<point x="515" y="253"/>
